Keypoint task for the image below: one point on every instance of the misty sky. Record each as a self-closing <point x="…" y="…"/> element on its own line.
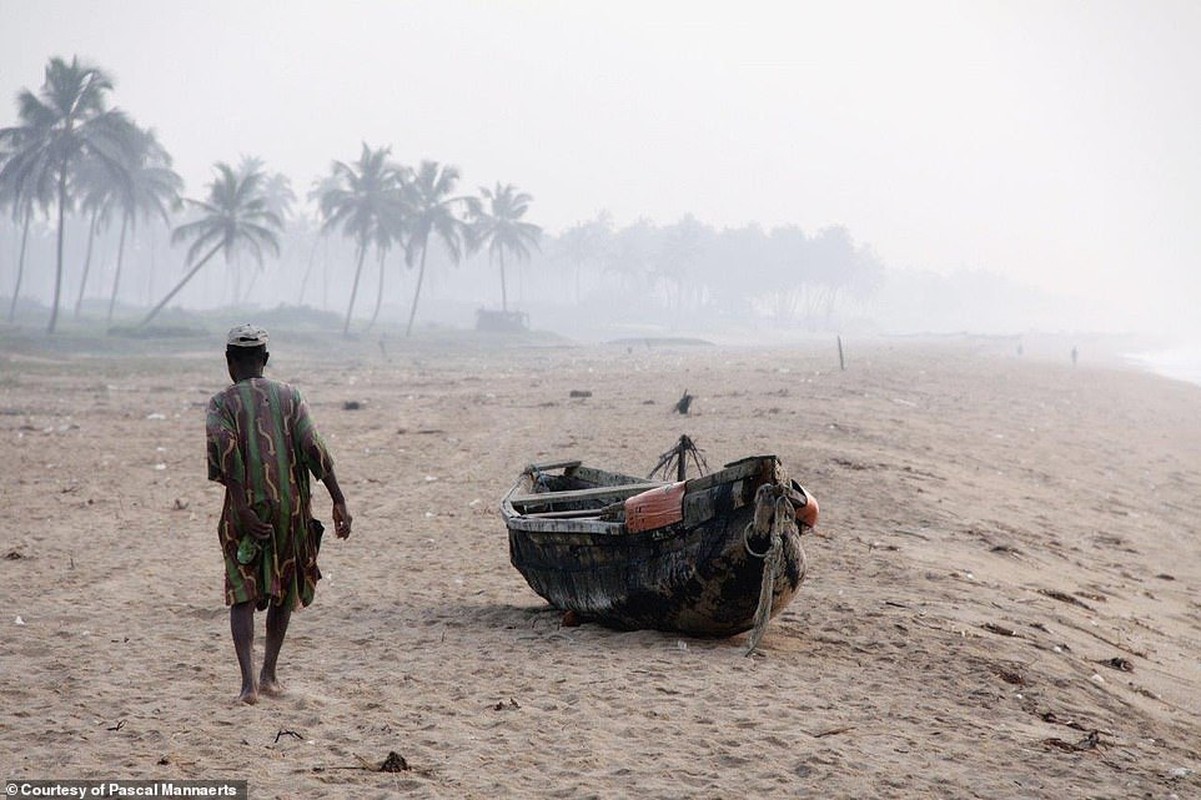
<point x="1056" y="142"/>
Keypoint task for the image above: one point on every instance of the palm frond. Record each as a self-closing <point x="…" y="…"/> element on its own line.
<point x="496" y="222"/>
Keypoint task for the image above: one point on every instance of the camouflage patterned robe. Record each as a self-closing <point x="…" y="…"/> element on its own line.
<point x="259" y="430"/>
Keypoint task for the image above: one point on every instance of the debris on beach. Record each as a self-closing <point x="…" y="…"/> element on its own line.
<point x="395" y="762"/>
<point x="1090" y="742"/>
<point x="512" y="705"/>
<point x="1064" y="597"/>
<point x="683" y="404"/>
<point x="1055" y="719"/>
<point x="352" y="405"/>
<point x="579" y="393"/>
<point x="1118" y="663"/>
<point x="832" y="731"/>
<point x="1012" y="677"/>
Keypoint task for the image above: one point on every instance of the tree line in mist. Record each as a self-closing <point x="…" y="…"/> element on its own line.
<point x="94" y="209"/>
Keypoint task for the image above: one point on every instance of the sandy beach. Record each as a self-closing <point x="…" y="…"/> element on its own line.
<point x="1002" y="599"/>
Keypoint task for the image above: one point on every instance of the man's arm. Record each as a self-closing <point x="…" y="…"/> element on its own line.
<point x="342" y="517"/>
<point x="318" y="461"/>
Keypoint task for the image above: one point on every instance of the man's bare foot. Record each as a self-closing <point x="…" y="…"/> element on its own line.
<point x="271" y="687"/>
<point x="249" y="695"/>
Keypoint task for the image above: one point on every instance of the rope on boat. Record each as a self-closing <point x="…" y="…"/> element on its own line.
<point x="779" y="519"/>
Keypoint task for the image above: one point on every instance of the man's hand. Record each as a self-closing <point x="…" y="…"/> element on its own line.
<point x="249" y="522"/>
<point x="341" y="515"/>
<point x="341" y="520"/>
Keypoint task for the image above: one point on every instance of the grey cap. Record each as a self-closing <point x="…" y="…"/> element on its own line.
<point x="246" y="335"/>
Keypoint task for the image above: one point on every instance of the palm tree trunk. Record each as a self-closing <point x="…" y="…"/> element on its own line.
<point x="87" y="265"/>
<point x="12" y="307"/>
<point x="354" y="288"/>
<point x="112" y="301"/>
<point x="150" y="272"/>
<point x="250" y="287"/>
<point x="236" y="285"/>
<point x="830" y="302"/>
<point x="504" y="298"/>
<point x="379" y="296"/>
<point x="154" y="311"/>
<point x="308" y="270"/>
<point x="58" y="271"/>
<point x="417" y="291"/>
<point x="325" y="275"/>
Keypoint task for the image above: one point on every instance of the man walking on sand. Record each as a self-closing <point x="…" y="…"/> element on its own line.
<point x="262" y="446"/>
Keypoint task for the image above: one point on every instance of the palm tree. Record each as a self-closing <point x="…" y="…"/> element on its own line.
<point x="22" y="205"/>
<point x="675" y="260"/>
<point x="25" y="215"/>
<point x="151" y="187"/>
<point x="302" y="227"/>
<point x="96" y="203"/>
<point x="390" y="231"/>
<point x="585" y="242"/>
<point x="235" y="217"/>
<point x="276" y="189"/>
<point x="433" y="212"/>
<point x="66" y="121"/>
<point x="501" y="228"/>
<point x="363" y="199"/>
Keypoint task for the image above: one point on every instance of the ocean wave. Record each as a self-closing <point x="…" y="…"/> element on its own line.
<point x="1181" y="363"/>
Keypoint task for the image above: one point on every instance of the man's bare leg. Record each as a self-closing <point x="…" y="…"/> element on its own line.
<point x="241" y="625"/>
<point x="277" y="628"/>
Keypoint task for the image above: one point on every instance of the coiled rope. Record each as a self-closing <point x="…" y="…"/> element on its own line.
<point x="774" y="515"/>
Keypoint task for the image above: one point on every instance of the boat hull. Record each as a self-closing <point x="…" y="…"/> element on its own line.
<point x="701" y="575"/>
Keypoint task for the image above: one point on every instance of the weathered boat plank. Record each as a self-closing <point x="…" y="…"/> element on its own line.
<point x="538" y="499"/>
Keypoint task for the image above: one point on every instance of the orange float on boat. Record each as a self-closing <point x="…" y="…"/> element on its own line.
<point x="655" y="508"/>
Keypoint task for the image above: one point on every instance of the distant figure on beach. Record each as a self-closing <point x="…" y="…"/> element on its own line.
<point x="1075" y="355"/>
<point x="262" y="446"/>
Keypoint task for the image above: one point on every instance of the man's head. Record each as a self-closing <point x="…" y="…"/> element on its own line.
<point x="246" y="351"/>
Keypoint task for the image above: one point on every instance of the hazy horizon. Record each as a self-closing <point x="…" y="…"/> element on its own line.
<point x="1051" y="143"/>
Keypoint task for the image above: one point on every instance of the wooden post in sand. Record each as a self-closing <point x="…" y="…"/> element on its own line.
<point x="842" y="364"/>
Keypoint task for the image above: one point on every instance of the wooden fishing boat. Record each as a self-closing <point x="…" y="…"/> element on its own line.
<point x="713" y="555"/>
